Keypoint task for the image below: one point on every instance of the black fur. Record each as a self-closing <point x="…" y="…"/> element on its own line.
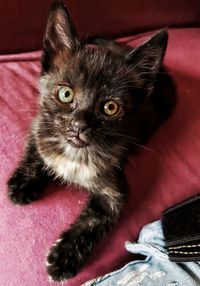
<point x="77" y="142"/>
<point x="29" y="179"/>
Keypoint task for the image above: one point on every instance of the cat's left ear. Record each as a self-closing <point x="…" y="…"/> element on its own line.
<point x="146" y="60"/>
<point x="60" y="35"/>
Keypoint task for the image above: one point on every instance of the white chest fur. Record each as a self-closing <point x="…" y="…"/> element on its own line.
<point x="74" y="166"/>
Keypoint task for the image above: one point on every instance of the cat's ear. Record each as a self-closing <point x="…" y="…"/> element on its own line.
<point x="146" y="60"/>
<point x="60" y="35"/>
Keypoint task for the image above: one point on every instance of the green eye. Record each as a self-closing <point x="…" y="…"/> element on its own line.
<point x="65" y="94"/>
<point x="111" y="107"/>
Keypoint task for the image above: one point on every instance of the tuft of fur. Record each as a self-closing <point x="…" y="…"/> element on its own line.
<point x="77" y="142"/>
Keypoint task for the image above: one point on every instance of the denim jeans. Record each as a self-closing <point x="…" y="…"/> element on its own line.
<point x="155" y="269"/>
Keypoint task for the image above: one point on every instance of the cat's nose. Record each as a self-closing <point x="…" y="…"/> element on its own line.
<point x="78" y="126"/>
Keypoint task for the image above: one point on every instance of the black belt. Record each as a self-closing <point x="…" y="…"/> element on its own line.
<point x="181" y="227"/>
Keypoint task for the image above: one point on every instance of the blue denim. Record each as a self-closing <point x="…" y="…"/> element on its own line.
<point x="155" y="269"/>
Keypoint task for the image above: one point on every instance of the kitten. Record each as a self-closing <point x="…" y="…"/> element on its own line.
<point x="96" y="104"/>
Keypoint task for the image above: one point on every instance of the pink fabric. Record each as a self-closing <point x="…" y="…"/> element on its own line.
<point x="165" y="172"/>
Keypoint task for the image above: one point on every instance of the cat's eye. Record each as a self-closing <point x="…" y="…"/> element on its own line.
<point x="111" y="107"/>
<point x="65" y="94"/>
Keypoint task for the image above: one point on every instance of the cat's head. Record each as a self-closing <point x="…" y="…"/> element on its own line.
<point x="91" y="94"/>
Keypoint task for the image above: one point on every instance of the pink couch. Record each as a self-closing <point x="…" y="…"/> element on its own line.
<point x="165" y="172"/>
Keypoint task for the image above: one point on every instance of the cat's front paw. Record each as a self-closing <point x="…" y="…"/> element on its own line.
<point x="22" y="190"/>
<point x="64" y="259"/>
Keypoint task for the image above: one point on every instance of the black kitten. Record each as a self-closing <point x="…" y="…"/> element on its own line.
<point x="95" y="101"/>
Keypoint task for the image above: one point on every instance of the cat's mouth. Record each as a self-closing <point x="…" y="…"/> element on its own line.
<point x="78" y="142"/>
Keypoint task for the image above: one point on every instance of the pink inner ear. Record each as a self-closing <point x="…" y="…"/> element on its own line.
<point x="61" y="31"/>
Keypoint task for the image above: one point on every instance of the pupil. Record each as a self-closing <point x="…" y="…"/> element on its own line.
<point x="67" y="93"/>
<point x="111" y="107"/>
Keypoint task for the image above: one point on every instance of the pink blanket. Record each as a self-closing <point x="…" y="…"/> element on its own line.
<point x="166" y="171"/>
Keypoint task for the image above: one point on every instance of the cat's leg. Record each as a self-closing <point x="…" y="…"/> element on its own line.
<point x="71" y="250"/>
<point x="29" y="179"/>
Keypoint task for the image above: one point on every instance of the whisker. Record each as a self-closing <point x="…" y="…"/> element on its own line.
<point x="144" y="147"/>
<point x="122" y="135"/>
<point x="132" y="162"/>
<point x="132" y="138"/>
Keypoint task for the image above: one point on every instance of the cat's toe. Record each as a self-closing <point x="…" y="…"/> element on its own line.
<point x="62" y="261"/>
<point x="20" y="191"/>
<point x="18" y="197"/>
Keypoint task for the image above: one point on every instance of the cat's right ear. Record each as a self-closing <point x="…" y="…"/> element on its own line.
<point x="146" y="60"/>
<point x="60" y="36"/>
